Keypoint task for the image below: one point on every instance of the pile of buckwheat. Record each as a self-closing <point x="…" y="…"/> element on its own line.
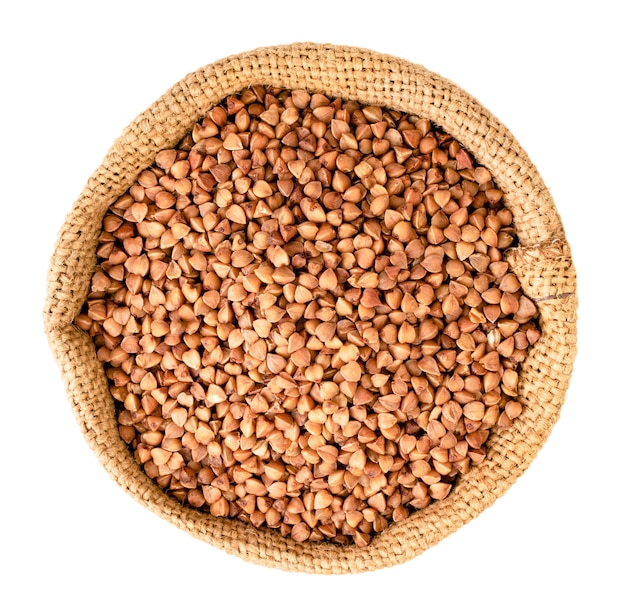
<point x="305" y="316"/>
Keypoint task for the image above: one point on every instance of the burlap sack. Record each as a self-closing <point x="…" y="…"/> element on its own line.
<point x="542" y="262"/>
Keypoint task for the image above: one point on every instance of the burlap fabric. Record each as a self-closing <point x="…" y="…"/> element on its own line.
<point x="542" y="262"/>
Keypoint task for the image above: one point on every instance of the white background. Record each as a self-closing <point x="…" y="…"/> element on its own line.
<point x="75" y="74"/>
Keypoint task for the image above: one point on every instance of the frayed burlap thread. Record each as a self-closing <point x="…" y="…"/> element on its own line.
<point x="542" y="262"/>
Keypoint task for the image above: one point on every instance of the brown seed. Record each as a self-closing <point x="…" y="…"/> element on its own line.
<point x="323" y="499"/>
<point x="258" y="349"/>
<point x="526" y="310"/>
<point x="160" y="457"/>
<point x="491" y="361"/>
<point x="232" y="142"/>
<point x="328" y="280"/>
<point x="474" y="410"/>
<point x="277" y="256"/>
<point x="215" y="394"/>
<point x="325" y="331"/>
<point x="262" y="189"/>
<point x="236" y="213"/>
<point x="513" y="409"/>
<point x="192" y="359"/>
<point x="328" y="390"/>
<point x="439" y="490"/>
<point x="300" y="532"/>
<point x="241" y="258"/>
<point x="370" y="298"/>
<point x="351" y="371"/>
<point x="433" y="263"/>
<point x="303" y="295"/>
<point x="275" y="363"/>
<point x="404" y="232"/>
<point x="237" y="292"/>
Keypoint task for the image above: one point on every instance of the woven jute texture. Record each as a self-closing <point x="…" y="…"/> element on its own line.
<point x="542" y="261"/>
